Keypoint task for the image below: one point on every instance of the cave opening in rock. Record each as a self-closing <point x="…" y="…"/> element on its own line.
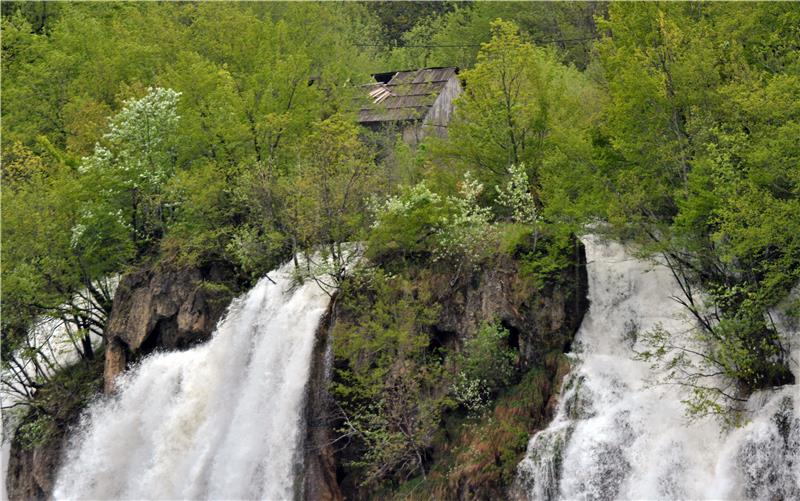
<point x="513" y="335"/>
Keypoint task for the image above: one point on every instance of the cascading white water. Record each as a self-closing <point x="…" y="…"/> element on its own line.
<point x="616" y="436"/>
<point x="219" y="421"/>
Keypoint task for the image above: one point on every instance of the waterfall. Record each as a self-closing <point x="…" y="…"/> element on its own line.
<point x="617" y="436"/>
<point x="219" y="421"/>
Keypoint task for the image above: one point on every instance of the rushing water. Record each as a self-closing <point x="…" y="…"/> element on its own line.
<point x="616" y="436"/>
<point x="219" y="421"/>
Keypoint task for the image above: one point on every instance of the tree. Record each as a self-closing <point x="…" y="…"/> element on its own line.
<point x="694" y="147"/>
<point x="133" y="165"/>
<point x="454" y="37"/>
<point x="327" y="196"/>
<point x="520" y="107"/>
<point x="58" y="266"/>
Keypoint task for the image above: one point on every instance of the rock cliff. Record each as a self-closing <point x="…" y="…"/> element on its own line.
<point x="319" y="465"/>
<point x="469" y="458"/>
<point x="31" y="471"/>
<point x="162" y="308"/>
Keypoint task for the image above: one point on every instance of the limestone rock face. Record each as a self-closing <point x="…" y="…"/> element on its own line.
<point x="161" y="308"/>
<point x="539" y="319"/>
<point x="31" y="472"/>
<point x="319" y="481"/>
<point x="114" y="363"/>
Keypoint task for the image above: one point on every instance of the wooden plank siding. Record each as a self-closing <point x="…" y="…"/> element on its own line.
<point x="420" y="102"/>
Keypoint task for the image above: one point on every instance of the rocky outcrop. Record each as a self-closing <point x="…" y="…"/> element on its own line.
<point x="319" y="465"/>
<point x="162" y="308"/>
<point x="31" y="472"/>
<point x="34" y="456"/>
<point x="469" y="459"/>
<point x="540" y="318"/>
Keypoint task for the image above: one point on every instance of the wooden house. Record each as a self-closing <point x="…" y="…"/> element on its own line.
<point x="418" y="103"/>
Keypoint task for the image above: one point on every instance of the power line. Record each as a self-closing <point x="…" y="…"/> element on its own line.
<point x="435" y="46"/>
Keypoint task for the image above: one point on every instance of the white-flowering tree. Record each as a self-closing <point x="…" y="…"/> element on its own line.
<point x="516" y="196"/>
<point x="406" y="224"/>
<point x="467" y="231"/>
<point x="134" y="161"/>
<point x="419" y="221"/>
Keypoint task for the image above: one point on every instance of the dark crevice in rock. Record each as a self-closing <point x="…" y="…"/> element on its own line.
<point x="441" y="340"/>
<point x="153" y="341"/>
<point x="513" y="335"/>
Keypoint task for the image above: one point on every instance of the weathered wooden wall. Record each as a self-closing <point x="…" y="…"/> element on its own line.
<point x="440" y="114"/>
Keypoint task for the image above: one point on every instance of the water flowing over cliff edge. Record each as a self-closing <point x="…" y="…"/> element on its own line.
<point x="221" y="420"/>
<point x="617" y="436"/>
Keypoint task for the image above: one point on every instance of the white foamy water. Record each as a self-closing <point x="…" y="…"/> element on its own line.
<point x="616" y="436"/>
<point x="219" y="421"/>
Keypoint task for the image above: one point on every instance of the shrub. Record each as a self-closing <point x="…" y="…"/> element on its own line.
<point x="386" y="377"/>
<point x="487" y="364"/>
<point x="420" y="222"/>
<point x="407" y="224"/>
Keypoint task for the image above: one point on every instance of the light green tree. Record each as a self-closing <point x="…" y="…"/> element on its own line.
<point x="695" y="149"/>
<point x="520" y="107"/>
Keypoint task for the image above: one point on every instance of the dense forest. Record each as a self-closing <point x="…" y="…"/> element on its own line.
<point x="196" y="134"/>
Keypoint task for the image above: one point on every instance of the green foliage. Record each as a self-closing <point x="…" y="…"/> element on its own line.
<point x="320" y="203"/>
<point x="397" y="18"/>
<point x="515" y="239"/>
<point x="467" y="234"/>
<point x="419" y="222"/>
<point x="407" y="224"/>
<point x="487" y="364"/>
<point x="386" y="378"/>
<point x="203" y="209"/>
<point x="488" y="451"/>
<point x="481" y="455"/>
<point x="37" y="431"/>
<point x="256" y="252"/>
<point x="56" y="242"/>
<point x="327" y="199"/>
<point x="131" y="169"/>
<point x="59" y="402"/>
<point x="702" y="103"/>
<point x="518" y="108"/>
<point x="454" y="38"/>
<point x="516" y="197"/>
<point x="548" y="256"/>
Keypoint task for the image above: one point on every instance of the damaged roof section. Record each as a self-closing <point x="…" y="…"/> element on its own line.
<point x="405" y="95"/>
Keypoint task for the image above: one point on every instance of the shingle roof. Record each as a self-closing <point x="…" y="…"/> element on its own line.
<point x="407" y="96"/>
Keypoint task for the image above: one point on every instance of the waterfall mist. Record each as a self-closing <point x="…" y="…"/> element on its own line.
<point x="616" y="436"/>
<point x="220" y="421"/>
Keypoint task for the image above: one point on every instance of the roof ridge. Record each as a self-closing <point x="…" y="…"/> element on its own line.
<point x="417" y="69"/>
